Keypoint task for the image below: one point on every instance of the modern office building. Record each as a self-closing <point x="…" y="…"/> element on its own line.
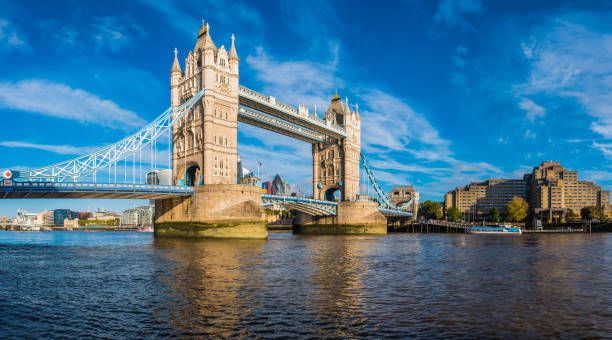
<point x="550" y="190"/>
<point x="139" y="216"/>
<point x="280" y="187"/>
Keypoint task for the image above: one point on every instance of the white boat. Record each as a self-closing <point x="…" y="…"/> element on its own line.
<point x="502" y="229"/>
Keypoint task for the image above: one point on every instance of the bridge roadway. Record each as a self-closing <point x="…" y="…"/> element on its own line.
<point x="271" y="107"/>
<point x="18" y="190"/>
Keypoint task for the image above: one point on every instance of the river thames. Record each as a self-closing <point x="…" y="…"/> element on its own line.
<point x="130" y="285"/>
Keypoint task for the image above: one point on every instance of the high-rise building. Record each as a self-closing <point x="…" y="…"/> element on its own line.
<point x="280" y="187"/>
<point x="550" y="190"/>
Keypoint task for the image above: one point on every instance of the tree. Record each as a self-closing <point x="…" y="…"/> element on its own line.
<point x="517" y="209"/>
<point x="592" y="213"/>
<point x="494" y="214"/>
<point x="453" y="214"/>
<point x="431" y="210"/>
<point x="571" y="215"/>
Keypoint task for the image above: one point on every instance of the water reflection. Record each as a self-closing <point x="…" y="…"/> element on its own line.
<point x="129" y="285"/>
<point x="207" y="284"/>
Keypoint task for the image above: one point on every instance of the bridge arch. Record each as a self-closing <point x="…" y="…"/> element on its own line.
<point x="192" y="175"/>
<point x="333" y="193"/>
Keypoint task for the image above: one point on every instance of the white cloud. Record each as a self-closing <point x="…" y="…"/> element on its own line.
<point x="114" y="33"/>
<point x="452" y="14"/>
<point x="61" y="101"/>
<point x="529" y="134"/>
<point x="106" y="33"/>
<point x="297" y="82"/>
<point x="11" y="39"/>
<point x="58" y="149"/>
<point x="597" y="176"/>
<point x="605" y="148"/>
<point x="570" y="57"/>
<point x="532" y="110"/>
<point x="390" y="124"/>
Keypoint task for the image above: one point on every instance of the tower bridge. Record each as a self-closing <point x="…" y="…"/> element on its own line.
<point x="204" y="198"/>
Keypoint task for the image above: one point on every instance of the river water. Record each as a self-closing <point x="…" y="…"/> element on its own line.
<point x="130" y="285"/>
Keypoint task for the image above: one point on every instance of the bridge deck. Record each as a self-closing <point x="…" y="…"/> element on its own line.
<point x="269" y="105"/>
<point x="90" y="190"/>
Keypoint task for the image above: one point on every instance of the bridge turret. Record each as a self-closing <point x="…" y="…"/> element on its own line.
<point x="205" y="140"/>
<point x="336" y="161"/>
<point x="175" y="78"/>
<point x="233" y="57"/>
<point x="335" y="111"/>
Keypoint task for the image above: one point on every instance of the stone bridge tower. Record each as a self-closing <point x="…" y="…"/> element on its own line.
<point x="336" y="161"/>
<point x="205" y="141"/>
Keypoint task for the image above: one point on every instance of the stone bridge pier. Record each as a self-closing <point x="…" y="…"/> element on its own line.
<point x="353" y="218"/>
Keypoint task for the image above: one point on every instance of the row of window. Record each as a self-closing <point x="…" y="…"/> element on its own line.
<point x="221" y="140"/>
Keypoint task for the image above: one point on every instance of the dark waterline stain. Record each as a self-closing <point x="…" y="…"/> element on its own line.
<point x="130" y="285"/>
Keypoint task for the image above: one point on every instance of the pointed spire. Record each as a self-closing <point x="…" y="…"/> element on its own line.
<point x="315" y="111"/>
<point x="204" y="28"/>
<point x="176" y="67"/>
<point x="204" y="39"/>
<point x="336" y="96"/>
<point x="233" y="55"/>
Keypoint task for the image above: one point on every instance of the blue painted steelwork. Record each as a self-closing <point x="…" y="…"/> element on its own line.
<point x="93" y="162"/>
<point x="392" y="212"/>
<point x="14" y="189"/>
<point x="384" y="201"/>
<point x="307" y="205"/>
<point x="270" y="105"/>
<point x="386" y="206"/>
<point x="269" y="122"/>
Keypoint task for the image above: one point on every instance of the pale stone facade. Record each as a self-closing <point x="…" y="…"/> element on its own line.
<point x="205" y="141"/>
<point x="336" y="161"/>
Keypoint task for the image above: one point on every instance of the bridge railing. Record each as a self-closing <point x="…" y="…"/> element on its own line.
<point x="298" y="199"/>
<point x="51" y="186"/>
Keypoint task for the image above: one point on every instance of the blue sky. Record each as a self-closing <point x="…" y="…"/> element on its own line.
<point x="449" y="91"/>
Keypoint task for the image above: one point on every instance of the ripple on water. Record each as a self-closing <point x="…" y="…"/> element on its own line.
<point x="129" y="285"/>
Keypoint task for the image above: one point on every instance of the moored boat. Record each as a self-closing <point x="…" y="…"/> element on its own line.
<point x="502" y="229"/>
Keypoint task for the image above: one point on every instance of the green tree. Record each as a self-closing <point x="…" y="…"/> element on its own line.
<point x="517" y="209"/>
<point x="494" y="215"/>
<point x="431" y="210"/>
<point x="571" y="215"/>
<point x="453" y="214"/>
<point x="592" y="213"/>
